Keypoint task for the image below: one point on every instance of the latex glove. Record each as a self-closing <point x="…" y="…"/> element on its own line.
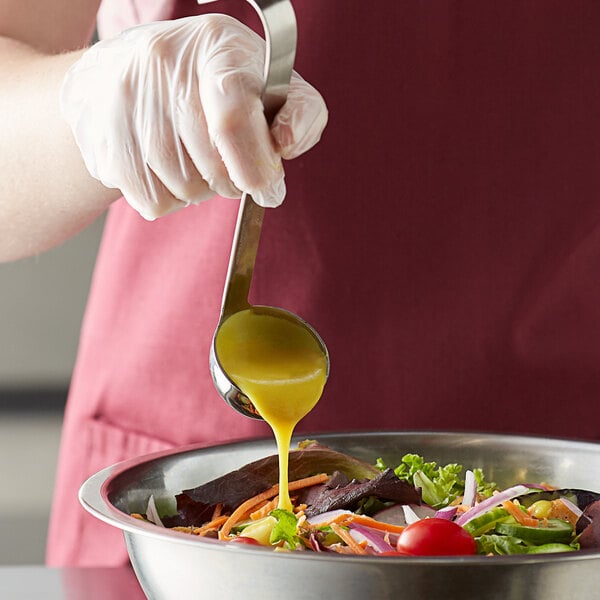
<point x="170" y="113"/>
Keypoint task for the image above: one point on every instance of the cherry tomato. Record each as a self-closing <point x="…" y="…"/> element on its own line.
<point x="436" y="537"/>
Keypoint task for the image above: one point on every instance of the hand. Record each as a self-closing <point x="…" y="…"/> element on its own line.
<point x="170" y="113"/>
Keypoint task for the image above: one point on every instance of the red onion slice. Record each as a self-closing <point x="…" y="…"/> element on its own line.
<point x="410" y="516"/>
<point x="326" y="517"/>
<point x="572" y="507"/>
<point x="448" y="512"/>
<point x="470" y="494"/>
<point x="373" y="538"/>
<point x="152" y="512"/>
<point x="492" y="502"/>
<point x="315" y="544"/>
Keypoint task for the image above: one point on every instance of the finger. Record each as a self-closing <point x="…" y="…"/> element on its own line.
<point x="171" y="165"/>
<point x="230" y="91"/>
<point x="300" y="122"/>
<point x="193" y="131"/>
<point x="241" y="135"/>
<point x="138" y="183"/>
<point x="152" y="199"/>
<point x="159" y="141"/>
<point x="124" y="166"/>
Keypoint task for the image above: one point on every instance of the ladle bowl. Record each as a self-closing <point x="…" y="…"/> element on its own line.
<point x="229" y="390"/>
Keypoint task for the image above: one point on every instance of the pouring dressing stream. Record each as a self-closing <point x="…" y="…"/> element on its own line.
<point x="266" y="362"/>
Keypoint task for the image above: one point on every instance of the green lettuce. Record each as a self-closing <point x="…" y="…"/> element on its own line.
<point x="440" y="485"/>
<point x="285" y="530"/>
<point x="500" y="545"/>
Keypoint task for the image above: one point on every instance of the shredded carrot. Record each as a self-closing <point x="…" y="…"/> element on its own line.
<point x="212" y="525"/>
<point x="462" y="508"/>
<point x="373" y="523"/>
<point x="265" y="509"/>
<point x="183" y="529"/>
<point x="521" y="517"/>
<point x="348" y="539"/>
<point x="217" y="512"/>
<point x="306" y="482"/>
<point x="249" y="504"/>
<point x="560" y="510"/>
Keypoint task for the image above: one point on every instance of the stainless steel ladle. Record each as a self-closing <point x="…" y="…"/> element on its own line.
<point x="279" y="23"/>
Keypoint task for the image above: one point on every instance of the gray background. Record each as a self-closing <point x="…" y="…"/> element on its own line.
<point x="42" y="300"/>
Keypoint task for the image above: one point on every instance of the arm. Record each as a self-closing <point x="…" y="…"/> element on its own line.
<point x="46" y="193"/>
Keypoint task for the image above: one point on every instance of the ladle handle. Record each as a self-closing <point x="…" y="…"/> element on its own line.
<point x="279" y="24"/>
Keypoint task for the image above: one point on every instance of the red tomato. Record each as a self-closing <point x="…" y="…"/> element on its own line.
<point x="436" y="537"/>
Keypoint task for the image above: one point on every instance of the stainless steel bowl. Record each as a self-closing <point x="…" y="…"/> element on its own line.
<point x="176" y="566"/>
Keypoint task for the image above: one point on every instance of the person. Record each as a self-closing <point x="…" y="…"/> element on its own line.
<point x="442" y="237"/>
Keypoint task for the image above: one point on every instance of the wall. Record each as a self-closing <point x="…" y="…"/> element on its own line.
<point x="42" y="300"/>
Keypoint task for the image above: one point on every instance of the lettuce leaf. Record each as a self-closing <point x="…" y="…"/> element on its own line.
<point x="500" y="545"/>
<point x="385" y="486"/>
<point x="440" y="485"/>
<point x="196" y="505"/>
<point x="285" y="529"/>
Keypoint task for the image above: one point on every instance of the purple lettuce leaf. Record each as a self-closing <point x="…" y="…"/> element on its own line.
<point x="386" y="486"/>
<point x="195" y="506"/>
<point x="589" y="526"/>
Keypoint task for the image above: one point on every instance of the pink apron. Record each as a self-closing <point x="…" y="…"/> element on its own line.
<point x="444" y="239"/>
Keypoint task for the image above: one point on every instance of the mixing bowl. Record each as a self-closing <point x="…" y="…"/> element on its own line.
<point x="177" y="566"/>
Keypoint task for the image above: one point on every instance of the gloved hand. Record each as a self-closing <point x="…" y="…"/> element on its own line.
<point x="170" y="113"/>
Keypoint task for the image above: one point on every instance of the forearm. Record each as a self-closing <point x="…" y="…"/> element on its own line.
<point x="46" y="193"/>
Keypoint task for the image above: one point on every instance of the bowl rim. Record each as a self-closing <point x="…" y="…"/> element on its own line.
<point x="94" y="497"/>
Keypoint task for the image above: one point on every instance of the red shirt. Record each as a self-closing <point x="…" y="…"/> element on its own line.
<point x="442" y="238"/>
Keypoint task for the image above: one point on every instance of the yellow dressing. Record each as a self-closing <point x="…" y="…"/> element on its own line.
<point x="280" y="365"/>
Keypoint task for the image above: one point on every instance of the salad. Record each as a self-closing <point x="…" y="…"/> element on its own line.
<point x="417" y="508"/>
